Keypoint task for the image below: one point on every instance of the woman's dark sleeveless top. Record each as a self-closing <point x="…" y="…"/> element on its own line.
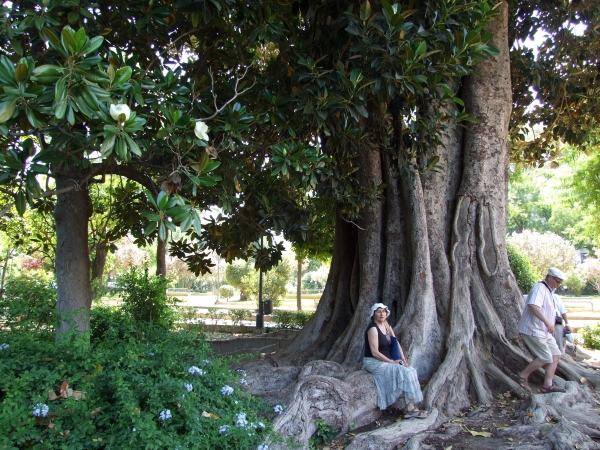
<point x="384" y="345"/>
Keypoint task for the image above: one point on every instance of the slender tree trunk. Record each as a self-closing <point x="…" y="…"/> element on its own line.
<point x="161" y="258"/>
<point x="74" y="296"/>
<point x="5" y="267"/>
<point x="98" y="267"/>
<point x="299" y="286"/>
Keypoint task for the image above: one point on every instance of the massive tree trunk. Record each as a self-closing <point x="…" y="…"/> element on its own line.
<point x="74" y="295"/>
<point x="434" y="251"/>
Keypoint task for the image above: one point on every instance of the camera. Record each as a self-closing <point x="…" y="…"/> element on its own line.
<point x="559" y="320"/>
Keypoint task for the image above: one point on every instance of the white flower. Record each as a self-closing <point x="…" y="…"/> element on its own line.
<point x="278" y="409"/>
<point x="261" y="425"/>
<point x="241" y="372"/>
<point x="192" y="370"/>
<point x="4" y="346"/>
<point x="151" y="355"/>
<point x="205" y="361"/>
<point x="165" y="415"/>
<point x="241" y="421"/>
<point x="223" y="429"/>
<point x="133" y="430"/>
<point x="40" y="410"/>
<point x="117" y="110"/>
<point x="226" y="390"/>
<point x="201" y="130"/>
<point x="188" y="387"/>
<point x="243" y="381"/>
<point x="263" y="447"/>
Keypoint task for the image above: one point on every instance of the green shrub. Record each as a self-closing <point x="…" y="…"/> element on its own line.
<point x="216" y="314"/>
<point x="521" y="268"/>
<point x="145" y="297"/>
<point x="575" y="281"/>
<point x="324" y="433"/>
<point x="226" y="291"/>
<point x="119" y="391"/>
<point x="111" y="322"/>
<point x="591" y="336"/>
<point x="29" y="302"/>
<point x="239" y="315"/>
<point x="291" y="320"/>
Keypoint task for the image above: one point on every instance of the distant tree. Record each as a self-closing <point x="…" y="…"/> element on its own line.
<point x="274" y="282"/>
<point x="235" y="275"/>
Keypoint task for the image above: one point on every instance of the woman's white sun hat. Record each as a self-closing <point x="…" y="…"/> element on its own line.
<point x="376" y="306"/>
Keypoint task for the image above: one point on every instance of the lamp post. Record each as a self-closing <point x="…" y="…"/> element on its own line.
<point x="260" y="315"/>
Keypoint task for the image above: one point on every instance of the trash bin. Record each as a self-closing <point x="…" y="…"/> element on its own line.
<point x="268" y="307"/>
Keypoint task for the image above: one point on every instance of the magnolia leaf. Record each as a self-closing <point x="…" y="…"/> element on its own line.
<point x="480" y="433"/>
<point x="7" y="109"/>
<point x="64" y="389"/>
<point x="78" y="395"/>
<point x="107" y="146"/>
<point x="52" y="395"/>
<point x="365" y="10"/>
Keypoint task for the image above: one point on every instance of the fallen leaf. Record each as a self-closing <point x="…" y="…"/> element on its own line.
<point x="97" y="439"/>
<point x="78" y="395"/>
<point x="583" y="380"/>
<point x="64" y="390"/>
<point x="458" y="421"/>
<point x="205" y="414"/>
<point x="214" y="416"/>
<point x="47" y="359"/>
<point x="529" y="415"/>
<point x="51" y="424"/>
<point x="480" y="433"/>
<point x="52" y="395"/>
<point x="510" y="439"/>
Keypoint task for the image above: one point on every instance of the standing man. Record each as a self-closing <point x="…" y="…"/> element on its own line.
<point x="537" y="330"/>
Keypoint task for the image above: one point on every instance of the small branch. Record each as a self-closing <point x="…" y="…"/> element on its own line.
<point x="235" y="95"/>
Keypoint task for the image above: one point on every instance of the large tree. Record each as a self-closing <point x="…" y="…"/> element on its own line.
<point x="386" y="86"/>
<point x="91" y="89"/>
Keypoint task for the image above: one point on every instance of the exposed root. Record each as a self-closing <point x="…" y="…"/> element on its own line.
<point x="337" y="402"/>
<point x="390" y="437"/>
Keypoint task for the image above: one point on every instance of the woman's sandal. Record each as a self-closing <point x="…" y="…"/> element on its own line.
<point x="551" y="389"/>
<point x="416" y="414"/>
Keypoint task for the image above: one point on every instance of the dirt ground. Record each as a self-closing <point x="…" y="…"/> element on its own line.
<point x="481" y="428"/>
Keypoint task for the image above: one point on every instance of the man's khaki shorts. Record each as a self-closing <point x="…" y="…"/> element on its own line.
<point x="542" y="348"/>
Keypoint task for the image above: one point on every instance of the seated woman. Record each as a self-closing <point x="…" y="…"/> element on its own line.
<point x="392" y="378"/>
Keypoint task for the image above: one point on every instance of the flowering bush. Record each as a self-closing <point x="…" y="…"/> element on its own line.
<point x="116" y="392"/>
<point x="544" y="250"/>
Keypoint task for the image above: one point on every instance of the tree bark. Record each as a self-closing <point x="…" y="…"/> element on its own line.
<point x="73" y="296"/>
